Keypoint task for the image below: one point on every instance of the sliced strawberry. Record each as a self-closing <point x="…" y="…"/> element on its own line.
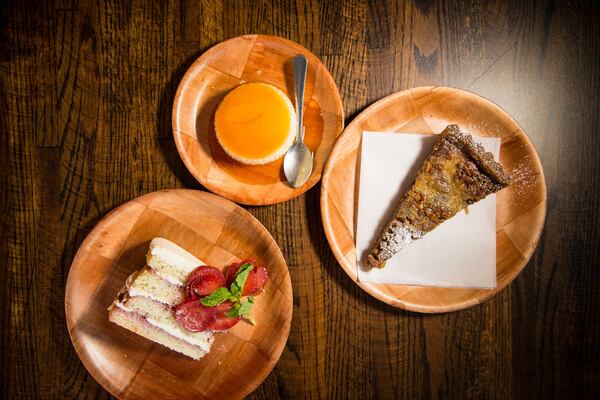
<point x="223" y="307"/>
<point x="190" y="296"/>
<point x="232" y="270"/>
<point x="207" y="285"/>
<point x="204" y="280"/>
<point x="193" y="316"/>
<point x="202" y="271"/>
<point x="257" y="278"/>
<point x="222" y="322"/>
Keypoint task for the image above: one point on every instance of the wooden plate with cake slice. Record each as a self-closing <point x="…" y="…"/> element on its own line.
<point x="130" y="366"/>
<point x="251" y="59"/>
<point x="520" y="208"/>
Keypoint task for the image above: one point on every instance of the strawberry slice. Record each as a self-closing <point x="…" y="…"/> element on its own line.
<point x="204" y="280"/>
<point x="222" y="322"/>
<point x="193" y="316"/>
<point x="231" y="271"/>
<point x="257" y="278"/>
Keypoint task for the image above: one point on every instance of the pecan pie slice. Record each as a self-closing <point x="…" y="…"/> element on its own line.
<point x="458" y="172"/>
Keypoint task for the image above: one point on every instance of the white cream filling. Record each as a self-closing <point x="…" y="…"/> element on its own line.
<point x="172" y="280"/>
<point x="123" y="307"/>
<point x="171" y="254"/>
<point x="133" y="291"/>
<point x="202" y="342"/>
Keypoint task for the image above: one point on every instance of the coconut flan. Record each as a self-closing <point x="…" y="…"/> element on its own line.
<point x="255" y="123"/>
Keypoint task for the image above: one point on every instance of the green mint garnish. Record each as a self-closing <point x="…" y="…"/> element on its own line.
<point x="237" y="286"/>
<point x="243" y="309"/>
<point x="220" y="295"/>
<point x="217" y="297"/>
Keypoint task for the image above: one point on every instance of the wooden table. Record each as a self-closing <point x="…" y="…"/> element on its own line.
<point x="86" y="94"/>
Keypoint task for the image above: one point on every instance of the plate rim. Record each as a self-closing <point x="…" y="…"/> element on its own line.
<point x="397" y="302"/>
<point x="102" y="379"/>
<point x="216" y="189"/>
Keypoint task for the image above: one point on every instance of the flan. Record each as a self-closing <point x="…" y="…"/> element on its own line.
<point x="255" y="123"/>
<point x="457" y="173"/>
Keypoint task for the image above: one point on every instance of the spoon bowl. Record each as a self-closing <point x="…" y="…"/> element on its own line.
<point x="298" y="164"/>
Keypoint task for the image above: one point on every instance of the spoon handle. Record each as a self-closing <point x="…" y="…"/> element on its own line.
<point x="300" y="64"/>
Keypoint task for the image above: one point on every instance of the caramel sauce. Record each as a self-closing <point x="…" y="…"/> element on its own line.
<point x="254" y="121"/>
<point x="271" y="172"/>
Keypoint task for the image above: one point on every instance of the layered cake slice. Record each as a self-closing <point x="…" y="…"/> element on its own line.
<point x="172" y="262"/>
<point x="180" y="302"/>
<point x="144" y="305"/>
<point x="457" y="173"/>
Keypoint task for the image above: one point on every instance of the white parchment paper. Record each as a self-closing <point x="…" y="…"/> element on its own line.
<point x="461" y="252"/>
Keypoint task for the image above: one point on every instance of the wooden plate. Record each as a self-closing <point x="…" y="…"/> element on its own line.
<point x="520" y="208"/>
<point x="218" y="232"/>
<point x="251" y="58"/>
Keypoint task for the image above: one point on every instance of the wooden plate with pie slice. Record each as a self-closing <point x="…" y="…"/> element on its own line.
<point x="215" y="230"/>
<point x="520" y="208"/>
<point x="251" y="58"/>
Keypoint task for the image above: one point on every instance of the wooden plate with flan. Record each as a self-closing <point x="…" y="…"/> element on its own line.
<point x="245" y="59"/>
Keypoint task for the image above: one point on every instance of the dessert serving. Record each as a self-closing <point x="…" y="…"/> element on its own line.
<point x="255" y="123"/>
<point x="457" y="173"/>
<point x="178" y="301"/>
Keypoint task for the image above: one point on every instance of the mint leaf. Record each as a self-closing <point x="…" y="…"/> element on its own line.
<point x="243" y="309"/>
<point x="246" y="306"/>
<point x="234" y="311"/>
<point x="217" y="297"/>
<point x="222" y="294"/>
<point x="246" y="310"/>
<point x="237" y="286"/>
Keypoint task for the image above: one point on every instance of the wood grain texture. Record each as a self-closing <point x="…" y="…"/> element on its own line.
<point x="252" y="58"/>
<point x="520" y="208"/>
<point x="86" y="93"/>
<point x="218" y="232"/>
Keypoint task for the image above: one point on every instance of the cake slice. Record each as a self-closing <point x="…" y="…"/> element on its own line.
<point x="144" y="304"/>
<point x="457" y="173"/>
<point x="146" y="282"/>
<point x="171" y="261"/>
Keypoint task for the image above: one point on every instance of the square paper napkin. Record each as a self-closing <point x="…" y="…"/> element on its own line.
<point x="461" y="252"/>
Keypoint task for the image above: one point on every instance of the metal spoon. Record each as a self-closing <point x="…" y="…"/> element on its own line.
<point x="298" y="161"/>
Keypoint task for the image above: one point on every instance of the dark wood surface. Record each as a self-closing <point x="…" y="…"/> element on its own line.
<point x="85" y="125"/>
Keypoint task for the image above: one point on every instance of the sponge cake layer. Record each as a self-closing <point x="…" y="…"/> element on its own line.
<point x="142" y="327"/>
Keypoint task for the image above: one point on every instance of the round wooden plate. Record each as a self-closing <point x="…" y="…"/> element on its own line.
<point x="251" y="58"/>
<point x="216" y="231"/>
<point x="520" y="208"/>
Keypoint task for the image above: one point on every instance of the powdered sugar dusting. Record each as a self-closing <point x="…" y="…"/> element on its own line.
<point x="524" y="179"/>
<point x="396" y="238"/>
